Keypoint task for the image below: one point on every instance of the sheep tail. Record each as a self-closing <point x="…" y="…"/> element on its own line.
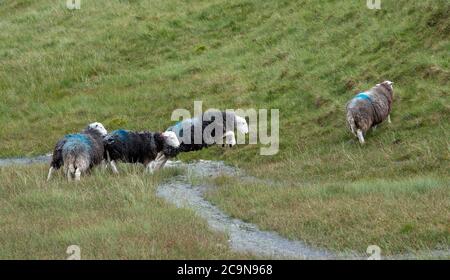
<point x="75" y="164"/>
<point x="69" y="166"/>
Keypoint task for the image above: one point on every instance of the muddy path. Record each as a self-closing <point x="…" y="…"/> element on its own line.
<point x="243" y="236"/>
<point x="25" y="160"/>
<point x="247" y="237"/>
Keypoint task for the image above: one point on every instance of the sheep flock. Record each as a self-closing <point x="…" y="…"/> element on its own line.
<point x="78" y="153"/>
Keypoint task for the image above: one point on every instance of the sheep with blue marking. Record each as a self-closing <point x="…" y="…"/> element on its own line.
<point x="220" y="124"/>
<point x="79" y="152"/>
<point x="370" y="108"/>
<point x="137" y="147"/>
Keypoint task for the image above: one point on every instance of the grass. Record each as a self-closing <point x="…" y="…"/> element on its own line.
<point x="131" y="63"/>
<point x="399" y="216"/>
<point x="108" y="217"/>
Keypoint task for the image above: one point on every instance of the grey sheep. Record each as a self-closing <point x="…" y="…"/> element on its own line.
<point x="370" y="108"/>
<point x="79" y="152"/>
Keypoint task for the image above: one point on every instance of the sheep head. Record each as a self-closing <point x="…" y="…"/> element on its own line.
<point x="241" y="125"/>
<point x="98" y="127"/>
<point x="171" y="139"/>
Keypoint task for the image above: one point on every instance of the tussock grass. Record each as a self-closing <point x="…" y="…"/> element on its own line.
<point x="109" y="217"/>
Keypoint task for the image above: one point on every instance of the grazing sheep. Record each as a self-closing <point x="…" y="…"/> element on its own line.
<point x="79" y="152"/>
<point x="208" y="118"/>
<point x="132" y="147"/>
<point x="369" y="109"/>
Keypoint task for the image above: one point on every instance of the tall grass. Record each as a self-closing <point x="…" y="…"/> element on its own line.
<point x="408" y="215"/>
<point x="108" y="217"/>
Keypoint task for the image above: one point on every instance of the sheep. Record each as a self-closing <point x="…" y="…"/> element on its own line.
<point x="190" y="144"/>
<point x="79" y="152"/>
<point x="368" y="109"/>
<point x="132" y="147"/>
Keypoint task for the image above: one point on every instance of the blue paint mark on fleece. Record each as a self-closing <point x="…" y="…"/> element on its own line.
<point x="179" y="126"/>
<point x="122" y="133"/>
<point x="363" y="95"/>
<point x="76" y="140"/>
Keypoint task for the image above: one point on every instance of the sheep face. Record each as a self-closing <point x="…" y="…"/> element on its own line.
<point x="99" y="127"/>
<point x="387" y="84"/>
<point x="171" y="139"/>
<point x="241" y="125"/>
<point x="388" y="88"/>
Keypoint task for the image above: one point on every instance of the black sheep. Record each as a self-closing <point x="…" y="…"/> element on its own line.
<point x="143" y="147"/>
<point x="188" y="143"/>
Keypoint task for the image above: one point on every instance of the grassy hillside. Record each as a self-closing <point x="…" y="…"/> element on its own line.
<point x="130" y="63"/>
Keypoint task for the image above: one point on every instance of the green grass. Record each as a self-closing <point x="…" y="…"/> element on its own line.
<point x="130" y="63"/>
<point x="109" y="217"/>
<point x="399" y="216"/>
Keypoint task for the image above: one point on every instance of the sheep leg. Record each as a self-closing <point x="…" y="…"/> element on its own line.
<point x="159" y="156"/>
<point x="114" y="167"/>
<point x="104" y="164"/>
<point x="353" y="130"/>
<point x="230" y="138"/>
<point x="69" y="175"/>
<point x="50" y="172"/>
<point x="374" y="128"/>
<point x="389" y="118"/>
<point x="150" y="167"/>
<point x="360" y="136"/>
<point x="161" y="162"/>
<point x="351" y="123"/>
<point x="77" y="174"/>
